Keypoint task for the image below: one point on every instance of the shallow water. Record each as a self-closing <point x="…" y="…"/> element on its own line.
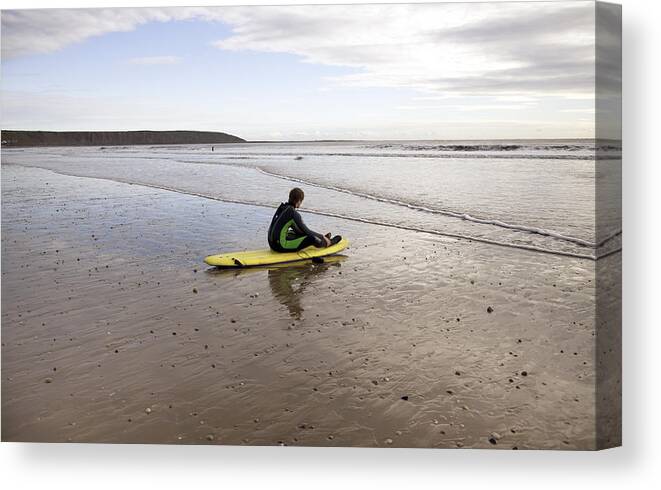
<point x="537" y="195"/>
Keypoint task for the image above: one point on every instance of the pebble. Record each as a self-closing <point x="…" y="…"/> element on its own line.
<point x="489" y="309"/>
<point x="195" y="290"/>
<point x="389" y="441"/>
<point x="147" y="410"/>
<point x="48" y="380"/>
<point x="524" y="373"/>
<point x="494" y="437"/>
<point x="210" y="437"/>
<point x="405" y="397"/>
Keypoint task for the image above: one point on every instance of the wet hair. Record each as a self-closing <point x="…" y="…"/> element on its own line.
<point x="295" y="195"/>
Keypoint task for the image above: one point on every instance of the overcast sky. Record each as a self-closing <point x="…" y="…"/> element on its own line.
<point x="447" y="71"/>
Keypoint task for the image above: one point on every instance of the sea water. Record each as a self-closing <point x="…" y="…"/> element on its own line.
<point x="533" y="195"/>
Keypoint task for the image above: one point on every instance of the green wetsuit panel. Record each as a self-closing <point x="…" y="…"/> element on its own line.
<point x="286" y="243"/>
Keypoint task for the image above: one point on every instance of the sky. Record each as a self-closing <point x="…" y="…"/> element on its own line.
<point x="418" y="71"/>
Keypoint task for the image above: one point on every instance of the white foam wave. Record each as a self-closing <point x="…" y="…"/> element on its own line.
<point x="464" y="216"/>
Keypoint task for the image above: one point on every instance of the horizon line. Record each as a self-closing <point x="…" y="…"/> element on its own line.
<point x="321" y="140"/>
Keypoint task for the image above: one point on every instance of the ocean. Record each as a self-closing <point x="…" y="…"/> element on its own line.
<point x="536" y="195"/>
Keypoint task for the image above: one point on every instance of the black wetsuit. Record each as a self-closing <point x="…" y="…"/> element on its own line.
<point x="288" y="233"/>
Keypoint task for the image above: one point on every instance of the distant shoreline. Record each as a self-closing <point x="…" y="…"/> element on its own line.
<point x="12" y="139"/>
<point x="30" y="138"/>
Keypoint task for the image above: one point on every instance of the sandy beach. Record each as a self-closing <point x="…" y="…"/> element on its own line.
<point x="114" y="330"/>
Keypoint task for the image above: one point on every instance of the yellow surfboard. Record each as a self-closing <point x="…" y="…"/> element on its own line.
<point x="267" y="257"/>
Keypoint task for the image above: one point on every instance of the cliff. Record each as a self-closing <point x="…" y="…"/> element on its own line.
<point x="113" y="138"/>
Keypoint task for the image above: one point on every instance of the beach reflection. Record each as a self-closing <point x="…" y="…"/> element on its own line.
<point x="289" y="282"/>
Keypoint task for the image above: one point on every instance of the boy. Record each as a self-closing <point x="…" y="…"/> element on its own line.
<point x="288" y="233"/>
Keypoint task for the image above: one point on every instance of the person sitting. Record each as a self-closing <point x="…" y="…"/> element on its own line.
<point x="288" y="233"/>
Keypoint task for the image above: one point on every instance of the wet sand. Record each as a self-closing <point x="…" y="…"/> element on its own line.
<point x="114" y="330"/>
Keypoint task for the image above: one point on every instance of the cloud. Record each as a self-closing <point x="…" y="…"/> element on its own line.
<point x="584" y="110"/>
<point x="155" y="60"/>
<point x="492" y="49"/>
<point x="467" y="108"/>
<point x="529" y="49"/>
<point x="34" y="31"/>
